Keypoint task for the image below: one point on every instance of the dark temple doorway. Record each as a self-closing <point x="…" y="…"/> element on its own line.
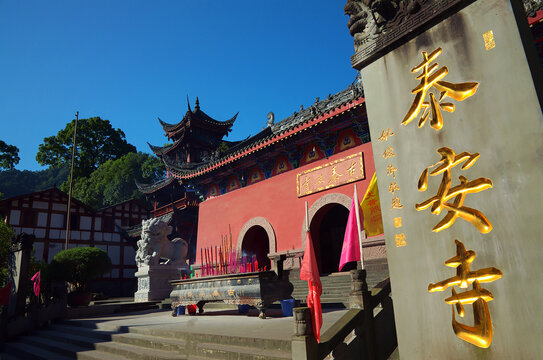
<point x="327" y="231"/>
<point x="256" y="242"/>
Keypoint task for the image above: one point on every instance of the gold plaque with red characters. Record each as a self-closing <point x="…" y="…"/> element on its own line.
<point x="330" y="175"/>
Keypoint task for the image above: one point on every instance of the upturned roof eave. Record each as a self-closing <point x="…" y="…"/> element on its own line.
<point x="204" y="120"/>
<point x="163" y="150"/>
<point x="199" y="116"/>
<point x="151" y="188"/>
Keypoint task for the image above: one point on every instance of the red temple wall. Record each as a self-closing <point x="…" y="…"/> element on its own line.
<point x="274" y="199"/>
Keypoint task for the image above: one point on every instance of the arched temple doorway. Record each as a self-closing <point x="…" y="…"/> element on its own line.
<point x="256" y="242"/>
<point x="257" y="238"/>
<point x="328" y="220"/>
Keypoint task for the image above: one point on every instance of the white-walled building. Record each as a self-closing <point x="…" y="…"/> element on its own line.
<point x="43" y="214"/>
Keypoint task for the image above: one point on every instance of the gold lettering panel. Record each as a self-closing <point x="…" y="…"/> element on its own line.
<point x="488" y="37"/>
<point x="330" y="175"/>
<point x="480" y="334"/>
<point x="458" y="193"/>
<point x="431" y="78"/>
<point x="385" y="134"/>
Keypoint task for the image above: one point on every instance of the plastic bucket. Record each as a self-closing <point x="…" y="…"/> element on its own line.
<point x="180" y="310"/>
<point x="287" y="306"/>
<point x="191" y="309"/>
<point x="243" y="309"/>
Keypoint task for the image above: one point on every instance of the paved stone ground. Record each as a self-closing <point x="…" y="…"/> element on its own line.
<point x="218" y="322"/>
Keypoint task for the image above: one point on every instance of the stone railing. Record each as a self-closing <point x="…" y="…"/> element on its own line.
<point x="360" y="318"/>
<point x="19" y="317"/>
<point x="36" y="318"/>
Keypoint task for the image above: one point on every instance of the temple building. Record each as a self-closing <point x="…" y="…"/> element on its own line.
<point x="254" y="191"/>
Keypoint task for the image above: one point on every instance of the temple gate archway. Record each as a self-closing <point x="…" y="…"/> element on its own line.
<point x="257" y="238"/>
<point x="327" y="222"/>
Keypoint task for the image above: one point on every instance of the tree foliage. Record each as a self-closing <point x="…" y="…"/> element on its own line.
<point x="80" y="265"/>
<point x="97" y="142"/>
<point x="9" y="155"/>
<point x="113" y="181"/>
<point x="15" y="182"/>
<point x="6" y="234"/>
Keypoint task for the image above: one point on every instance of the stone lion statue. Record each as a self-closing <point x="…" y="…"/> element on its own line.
<point x="155" y="245"/>
<point x="368" y="18"/>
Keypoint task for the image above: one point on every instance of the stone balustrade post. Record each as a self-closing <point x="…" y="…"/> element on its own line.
<point x="18" y="268"/>
<point x="358" y="286"/>
<point x="304" y="344"/>
<point x="360" y="298"/>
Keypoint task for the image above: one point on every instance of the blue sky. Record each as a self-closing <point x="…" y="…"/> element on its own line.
<point x="133" y="61"/>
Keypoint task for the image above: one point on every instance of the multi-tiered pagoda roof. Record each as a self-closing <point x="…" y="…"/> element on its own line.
<point x="194" y="138"/>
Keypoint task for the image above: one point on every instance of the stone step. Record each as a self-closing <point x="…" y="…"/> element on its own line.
<point x="228" y="352"/>
<point x="342" y="290"/>
<point x="250" y="342"/>
<point x="327" y="288"/>
<point x="325" y="298"/>
<point x="107" y="309"/>
<point x="138" y="352"/>
<point x="345" y="293"/>
<point x="99" y="355"/>
<point x="334" y="290"/>
<point x="329" y="281"/>
<point x="151" y="342"/>
<point x="57" y="347"/>
<point x="71" y="338"/>
<point x="95" y="327"/>
<point x="75" y="328"/>
<point x="23" y="351"/>
<point x="4" y="356"/>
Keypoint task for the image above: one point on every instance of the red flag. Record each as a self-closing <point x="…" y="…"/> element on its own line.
<point x="310" y="273"/>
<point x="5" y="293"/>
<point x="37" y="279"/>
<point x="351" y="245"/>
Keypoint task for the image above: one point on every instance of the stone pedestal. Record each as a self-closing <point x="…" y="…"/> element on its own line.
<point x="154" y="281"/>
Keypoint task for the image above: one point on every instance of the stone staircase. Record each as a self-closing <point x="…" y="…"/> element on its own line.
<point x="76" y="339"/>
<point x="337" y="286"/>
<point x="71" y="339"/>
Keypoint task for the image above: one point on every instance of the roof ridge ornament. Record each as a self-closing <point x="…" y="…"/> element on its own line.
<point x="197" y="105"/>
<point x="188" y="102"/>
<point x="271" y="119"/>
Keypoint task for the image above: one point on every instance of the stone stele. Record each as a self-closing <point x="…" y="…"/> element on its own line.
<point x="502" y="121"/>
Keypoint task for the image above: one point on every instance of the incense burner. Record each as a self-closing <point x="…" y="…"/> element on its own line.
<point x="258" y="289"/>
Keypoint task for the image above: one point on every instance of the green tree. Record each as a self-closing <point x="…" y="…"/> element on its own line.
<point x="9" y="155"/>
<point x="97" y="142"/>
<point x="80" y="265"/>
<point x="6" y="234"/>
<point x="113" y="181"/>
<point x="16" y="182"/>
